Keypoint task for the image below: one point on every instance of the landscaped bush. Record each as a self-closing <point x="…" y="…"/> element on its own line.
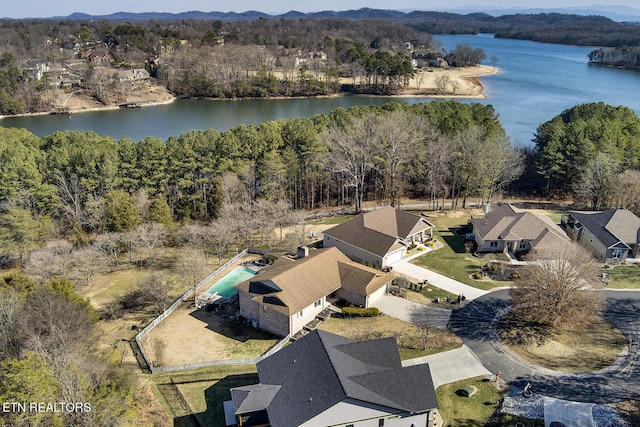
<point x="401" y="282"/>
<point x="515" y="275"/>
<point x="476" y="275"/>
<point x="361" y="312"/>
<point x="411" y="247"/>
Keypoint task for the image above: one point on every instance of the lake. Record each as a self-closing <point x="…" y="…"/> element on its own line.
<point x="537" y="82"/>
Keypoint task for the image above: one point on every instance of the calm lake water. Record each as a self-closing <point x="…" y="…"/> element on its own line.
<point x="537" y="82"/>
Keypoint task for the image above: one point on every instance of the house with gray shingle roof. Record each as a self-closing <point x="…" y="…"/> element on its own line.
<point x="290" y="293"/>
<point x="613" y="235"/>
<point x="508" y="229"/>
<point x="379" y="237"/>
<point x="325" y="379"/>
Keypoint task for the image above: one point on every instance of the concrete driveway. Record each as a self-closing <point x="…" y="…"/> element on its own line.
<point x="443" y="282"/>
<point x="451" y="366"/>
<point x="413" y="312"/>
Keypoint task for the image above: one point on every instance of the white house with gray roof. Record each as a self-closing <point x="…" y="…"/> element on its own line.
<point x="379" y="237"/>
<point x="325" y="379"/>
<point x="509" y="229"/>
<point x="613" y="235"/>
<point x="289" y="294"/>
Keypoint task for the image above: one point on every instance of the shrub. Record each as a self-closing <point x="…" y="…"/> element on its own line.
<point x="476" y="276"/>
<point x="411" y="247"/>
<point x="361" y="312"/>
<point x="401" y="282"/>
<point x="515" y="275"/>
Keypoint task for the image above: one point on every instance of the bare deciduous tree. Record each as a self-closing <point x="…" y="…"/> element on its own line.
<point x="85" y="263"/>
<point x="191" y="265"/>
<point x="353" y="152"/>
<point x="397" y="134"/>
<point x="151" y="236"/>
<point x="442" y="81"/>
<point x="558" y="288"/>
<point x="156" y="288"/>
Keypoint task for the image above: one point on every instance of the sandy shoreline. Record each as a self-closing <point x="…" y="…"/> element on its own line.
<point x="463" y="83"/>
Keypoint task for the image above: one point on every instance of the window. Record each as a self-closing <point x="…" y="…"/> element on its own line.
<point x="381" y="422"/>
<point x="494" y="244"/>
<point x="318" y="303"/>
<point x="591" y="238"/>
<point x="300" y="313"/>
<point x="523" y="244"/>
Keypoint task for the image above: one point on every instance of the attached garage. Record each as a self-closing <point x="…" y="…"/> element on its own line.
<point x="393" y="257"/>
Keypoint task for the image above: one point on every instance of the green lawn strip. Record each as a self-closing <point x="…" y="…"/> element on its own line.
<point x="205" y="390"/>
<point x="452" y="261"/>
<point x="457" y="410"/>
<point x="429" y="293"/>
<point x="406" y="334"/>
<point x="332" y="220"/>
<point x="624" y="276"/>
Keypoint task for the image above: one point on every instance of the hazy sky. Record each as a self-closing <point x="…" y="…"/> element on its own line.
<point x="48" y="8"/>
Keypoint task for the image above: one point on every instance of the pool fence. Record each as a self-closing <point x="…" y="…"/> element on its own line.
<point x="184" y="297"/>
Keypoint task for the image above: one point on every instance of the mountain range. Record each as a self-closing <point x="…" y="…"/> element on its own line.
<point x="616" y="13"/>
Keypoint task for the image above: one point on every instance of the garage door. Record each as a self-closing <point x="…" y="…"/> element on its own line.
<point x="394" y="257"/>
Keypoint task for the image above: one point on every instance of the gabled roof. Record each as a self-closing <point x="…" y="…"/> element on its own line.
<point x="611" y="226"/>
<point x="291" y="285"/>
<point x="323" y="369"/>
<point x="511" y="224"/>
<point x="253" y="398"/>
<point x="378" y="231"/>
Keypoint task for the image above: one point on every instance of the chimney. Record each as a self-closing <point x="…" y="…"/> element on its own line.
<point x="303" y="251"/>
<point x="487" y="208"/>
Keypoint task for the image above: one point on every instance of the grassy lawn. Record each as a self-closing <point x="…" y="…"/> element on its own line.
<point x="205" y="391"/>
<point x="428" y="294"/>
<point x="624" y="276"/>
<point x="457" y="410"/>
<point x="407" y="335"/>
<point x="593" y="347"/>
<point x="451" y="260"/>
<point x="332" y="220"/>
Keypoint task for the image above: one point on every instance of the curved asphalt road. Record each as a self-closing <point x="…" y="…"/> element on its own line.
<point x="474" y="324"/>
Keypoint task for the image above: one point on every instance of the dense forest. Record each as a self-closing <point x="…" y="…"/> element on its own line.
<point x="77" y="184"/>
<point x="593" y="152"/>
<point x="621" y="57"/>
<point x="265" y="57"/>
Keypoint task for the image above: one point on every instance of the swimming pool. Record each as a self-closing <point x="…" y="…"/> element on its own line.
<point x="225" y="287"/>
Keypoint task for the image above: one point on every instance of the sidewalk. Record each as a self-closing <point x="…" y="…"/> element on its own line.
<point x="420" y="273"/>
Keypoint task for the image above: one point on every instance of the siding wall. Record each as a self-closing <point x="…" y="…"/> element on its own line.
<point x="592" y="241"/>
<point x="363" y="414"/>
<point x="356" y="254"/>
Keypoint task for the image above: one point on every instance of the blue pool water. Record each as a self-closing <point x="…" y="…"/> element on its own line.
<point x="225" y="287"/>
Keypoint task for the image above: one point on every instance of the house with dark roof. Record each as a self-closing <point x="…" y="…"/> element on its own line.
<point x="290" y="293"/>
<point x="325" y="379"/>
<point x="613" y="235"/>
<point x="508" y="229"/>
<point x="379" y="237"/>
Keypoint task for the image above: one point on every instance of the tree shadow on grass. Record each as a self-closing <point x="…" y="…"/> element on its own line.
<point x="454" y="240"/>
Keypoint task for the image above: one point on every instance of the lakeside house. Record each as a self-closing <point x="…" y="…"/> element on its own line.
<point x="290" y="293"/>
<point x="508" y="229"/>
<point x="380" y="237"/>
<point x="613" y="235"/>
<point x="325" y="379"/>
